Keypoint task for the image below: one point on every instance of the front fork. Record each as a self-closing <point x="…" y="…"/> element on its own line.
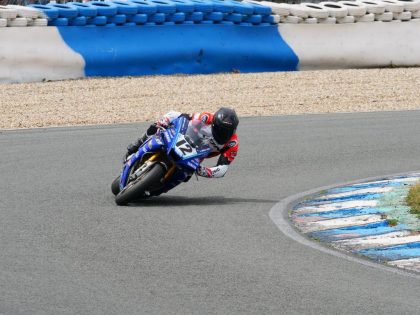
<point x="169" y="173"/>
<point x="148" y="163"/>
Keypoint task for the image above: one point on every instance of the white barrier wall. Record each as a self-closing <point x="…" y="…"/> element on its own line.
<point x="35" y="54"/>
<point x="356" y="45"/>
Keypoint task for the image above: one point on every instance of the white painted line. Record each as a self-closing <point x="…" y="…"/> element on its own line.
<point x="383" y="240"/>
<point x="308" y="227"/>
<point x="298" y="219"/>
<point x="337" y="206"/>
<point x="371" y="190"/>
<point x="410" y="264"/>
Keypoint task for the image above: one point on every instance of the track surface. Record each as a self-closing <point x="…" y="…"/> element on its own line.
<point x="208" y="246"/>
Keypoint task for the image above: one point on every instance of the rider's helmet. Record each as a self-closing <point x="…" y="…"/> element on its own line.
<point x="225" y="122"/>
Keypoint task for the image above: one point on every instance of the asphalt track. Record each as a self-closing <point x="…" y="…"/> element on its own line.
<point x="207" y="247"/>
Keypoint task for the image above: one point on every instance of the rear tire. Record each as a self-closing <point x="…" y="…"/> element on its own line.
<point x="136" y="190"/>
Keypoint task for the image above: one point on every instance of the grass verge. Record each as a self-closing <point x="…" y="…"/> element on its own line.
<point x="392" y="222"/>
<point x="413" y="199"/>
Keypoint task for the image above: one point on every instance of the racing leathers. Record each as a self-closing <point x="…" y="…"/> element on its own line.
<point x="227" y="151"/>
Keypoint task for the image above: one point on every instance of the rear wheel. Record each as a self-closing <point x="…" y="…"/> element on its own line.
<point x="134" y="190"/>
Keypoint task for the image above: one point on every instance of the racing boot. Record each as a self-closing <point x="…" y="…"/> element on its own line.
<point x="133" y="147"/>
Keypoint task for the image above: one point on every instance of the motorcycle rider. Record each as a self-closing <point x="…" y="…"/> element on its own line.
<point x="220" y="129"/>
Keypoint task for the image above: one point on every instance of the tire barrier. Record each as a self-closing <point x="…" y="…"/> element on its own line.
<point x="343" y="12"/>
<point x="141" y="12"/>
<point x="156" y="12"/>
<point x="154" y="37"/>
<point x="18" y="16"/>
<point x="248" y="12"/>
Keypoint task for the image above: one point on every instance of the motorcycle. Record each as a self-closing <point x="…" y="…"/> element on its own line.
<point x="182" y="146"/>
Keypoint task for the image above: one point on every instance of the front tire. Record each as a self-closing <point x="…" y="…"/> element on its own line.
<point x="115" y="186"/>
<point x="133" y="191"/>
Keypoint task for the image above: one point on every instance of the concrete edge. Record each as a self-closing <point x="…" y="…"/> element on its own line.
<point x="279" y="215"/>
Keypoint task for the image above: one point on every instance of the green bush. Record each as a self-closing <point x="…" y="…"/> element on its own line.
<point x="413" y="199"/>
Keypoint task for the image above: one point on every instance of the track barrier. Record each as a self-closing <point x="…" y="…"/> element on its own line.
<point x="147" y="37"/>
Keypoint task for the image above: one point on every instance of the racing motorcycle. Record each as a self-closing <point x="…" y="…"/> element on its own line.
<point x="182" y="146"/>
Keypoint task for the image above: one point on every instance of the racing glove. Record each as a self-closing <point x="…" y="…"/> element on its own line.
<point x="212" y="172"/>
<point x="163" y="122"/>
<point x="203" y="171"/>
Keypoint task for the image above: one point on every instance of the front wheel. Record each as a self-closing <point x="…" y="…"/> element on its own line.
<point x="136" y="189"/>
<point x="115" y="186"/>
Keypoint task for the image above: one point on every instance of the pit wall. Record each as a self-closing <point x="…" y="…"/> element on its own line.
<point x="246" y="37"/>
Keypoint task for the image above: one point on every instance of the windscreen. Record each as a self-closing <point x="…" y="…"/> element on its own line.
<point x="194" y="135"/>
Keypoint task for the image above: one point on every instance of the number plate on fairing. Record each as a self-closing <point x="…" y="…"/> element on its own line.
<point x="184" y="149"/>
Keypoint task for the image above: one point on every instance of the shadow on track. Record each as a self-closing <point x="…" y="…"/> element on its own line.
<point x="179" y="201"/>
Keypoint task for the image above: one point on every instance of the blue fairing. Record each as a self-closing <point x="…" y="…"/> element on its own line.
<point x="180" y="126"/>
<point x="173" y="134"/>
<point x="167" y="140"/>
<point x="152" y="145"/>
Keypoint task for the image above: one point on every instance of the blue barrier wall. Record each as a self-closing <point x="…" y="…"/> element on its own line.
<point x="149" y="37"/>
<point x="170" y="49"/>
